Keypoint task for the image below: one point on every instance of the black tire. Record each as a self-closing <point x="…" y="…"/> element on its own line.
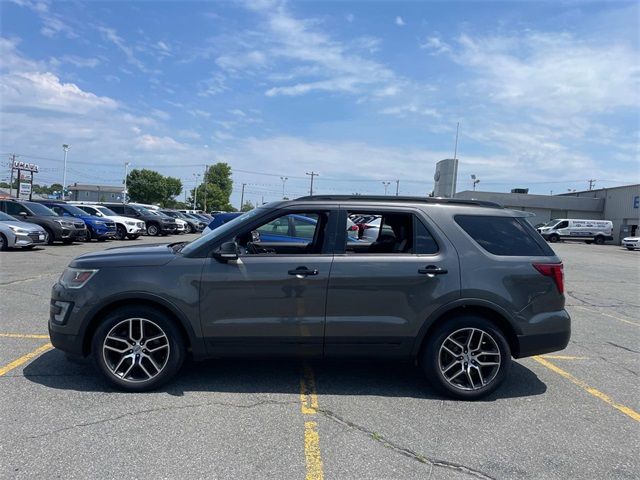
<point x="3" y="243"/>
<point x="121" y="232"/>
<point x="50" y="237"/>
<point x="599" y="240"/>
<point x="630" y="248"/>
<point x="133" y="237"/>
<point x="188" y="229"/>
<point x="153" y="230"/>
<point x="173" y="362"/>
<point x="102" y="239"/>
<point x="554" y="238"/>
<point x="588" y="242"/>
<point x="431" y="351"/>
<point x="67" y="241"/>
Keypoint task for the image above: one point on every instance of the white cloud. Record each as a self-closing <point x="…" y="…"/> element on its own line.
<point x="399" y="21"/>
<point x="411" y="109"/>
<point x="80" y="62"/>
<point x="213" y="85"/>
<point x="161" y="144"/>
<point x="52" y="23"/>
<point x="435" y="45"/>
<point x="555" y="73"/>
<point x="252" y="59"/>
<point x="112" y="36"/>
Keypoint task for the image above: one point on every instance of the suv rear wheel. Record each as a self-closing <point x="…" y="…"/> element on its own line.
<point x="138" y="348"/>
<point x="466" y="357"/>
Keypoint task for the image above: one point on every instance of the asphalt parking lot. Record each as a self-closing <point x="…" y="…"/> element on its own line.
<point x="573" y="414"/>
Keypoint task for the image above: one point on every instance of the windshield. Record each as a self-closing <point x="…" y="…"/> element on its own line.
<point x="223" y="230"/>
<point x="551" y="223"/>
<point x="75" y="211"/>
<point x="6" y="218"/>
<point x="142" y="210"/>
<point x="40" y="210"/>
<point x="106" y="211"/>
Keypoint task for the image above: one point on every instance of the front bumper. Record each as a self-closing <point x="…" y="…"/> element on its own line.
<point x="25" y="240"/>
<point x="138" y="229"/>
<point x="631" y="244"/>
<point x="545" y="332"/>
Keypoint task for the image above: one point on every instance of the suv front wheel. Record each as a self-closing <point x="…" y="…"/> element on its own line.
<point x="138" y="348"/>
<point x="466" y="357"/>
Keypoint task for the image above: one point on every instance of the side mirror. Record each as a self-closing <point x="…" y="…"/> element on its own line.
<point x="65" y="214"/>
<point x="23" y="214"/>
<point x="227" y="251"/>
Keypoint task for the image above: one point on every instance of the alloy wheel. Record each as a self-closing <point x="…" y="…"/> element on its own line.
<point x="469" y="359"/>
<point x="136" y="350"/>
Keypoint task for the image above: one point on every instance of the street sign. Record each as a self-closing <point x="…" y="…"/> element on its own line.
<point x="25" y="189"/>
<point x="31" y="167"/>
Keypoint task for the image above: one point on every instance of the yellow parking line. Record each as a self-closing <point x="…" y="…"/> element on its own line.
<point x="607" y="315"/>
<point x="564" y="357"/>
<point x="589" y="389"/>
<point x="309" y="406"/>
<point x="23" y="335"/>
<point x="24" y="359"/>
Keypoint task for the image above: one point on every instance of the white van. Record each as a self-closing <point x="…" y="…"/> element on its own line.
<point x="591" y="231"/>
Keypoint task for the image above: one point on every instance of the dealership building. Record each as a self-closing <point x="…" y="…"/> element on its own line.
<point x="621" y="205"/>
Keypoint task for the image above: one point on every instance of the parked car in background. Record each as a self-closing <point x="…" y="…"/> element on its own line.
<point x="155" y="225"/>
<point x="17" y="234"/>
<point x="181" y="225"/>
<point x="591" y="231"/>
<point x="125" y="227"/>
<point x="192" y="225"/>
<point x="99" y="228"/>
<point x="457" y="287"/>
<point x="202" y="224"/>
<point x="220" y="219"/>
<point x="59" y="229"/>
<point x="631" y="242"/>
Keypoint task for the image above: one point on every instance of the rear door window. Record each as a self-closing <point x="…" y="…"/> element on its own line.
<point x="507" y="236"/>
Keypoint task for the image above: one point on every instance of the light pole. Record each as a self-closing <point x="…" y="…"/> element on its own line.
<point x="66" y="148"/>
<point x="476" y="181"/>
<point x="284" y="180"/>
<point x="126" y="173"/>
<point x="195" y="190"/>
<point x="386" y="186"/>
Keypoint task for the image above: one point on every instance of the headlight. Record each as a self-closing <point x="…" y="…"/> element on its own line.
<point x="76" y="277"/>
<point x="132" y="224"/>
<point x="99" y="222"/>
<point x="18" y="230"/>
<point x="64" y="223"/>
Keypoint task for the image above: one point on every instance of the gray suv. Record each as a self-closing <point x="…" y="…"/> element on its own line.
<point x="460" y="286"/>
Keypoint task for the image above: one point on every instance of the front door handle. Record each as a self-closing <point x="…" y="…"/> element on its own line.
<point x="301" y="272"/>
<point x="432" y="270"/>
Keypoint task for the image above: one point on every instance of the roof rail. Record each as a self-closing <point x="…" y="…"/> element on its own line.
<point x="403" y="199"/>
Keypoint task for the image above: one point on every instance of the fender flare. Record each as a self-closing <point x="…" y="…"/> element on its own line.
<point x="460" y="303"/>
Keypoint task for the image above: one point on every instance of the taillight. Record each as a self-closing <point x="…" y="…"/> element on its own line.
<point x="553" y="270"/>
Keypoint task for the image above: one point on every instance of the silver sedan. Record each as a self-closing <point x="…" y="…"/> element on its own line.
<point x="14" y="233"/>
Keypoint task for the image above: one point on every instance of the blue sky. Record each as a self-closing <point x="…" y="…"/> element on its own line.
<point x="547" y="93"/>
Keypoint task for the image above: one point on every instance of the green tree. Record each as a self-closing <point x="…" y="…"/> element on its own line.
<point x="247" y="206"/>
<point x="215" y="189"/>
<point x="149" y="186"/>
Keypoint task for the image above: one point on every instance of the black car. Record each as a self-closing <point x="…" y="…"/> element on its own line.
<point x="156" y="224"/>
<point x="59" y="229"/>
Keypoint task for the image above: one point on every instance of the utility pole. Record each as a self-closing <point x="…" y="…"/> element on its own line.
<point x="397" y="187"/>
<point x="66" y="148"/>
<point x="312" y="174"/>
<point x="592" y="182"/>
<point x="195" y="190"/>
<point x="206" y="171"/>
<point x="13" y="159"/>
<point x="284" y="180"/>
<point x="126" y="174"/>
<point x="386" y="186"/>
<point x="242" y="196"/>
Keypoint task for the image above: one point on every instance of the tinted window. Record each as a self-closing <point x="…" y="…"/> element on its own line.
<point x="13" y="208"/>
<point x="564" y="224"/>
<point x="117" y="208"/>
<point x="41" y="210"/>
<point x="503" y="235"/>
<point x="425" y="243"/>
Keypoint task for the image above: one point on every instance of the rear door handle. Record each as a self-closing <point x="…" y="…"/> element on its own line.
<point x="303" y="272"/>
<point x="432" y="270"/>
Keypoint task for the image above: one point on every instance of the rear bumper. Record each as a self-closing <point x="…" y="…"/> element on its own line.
<point x="549" y="332"/>
<point x="71" y="344"/>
